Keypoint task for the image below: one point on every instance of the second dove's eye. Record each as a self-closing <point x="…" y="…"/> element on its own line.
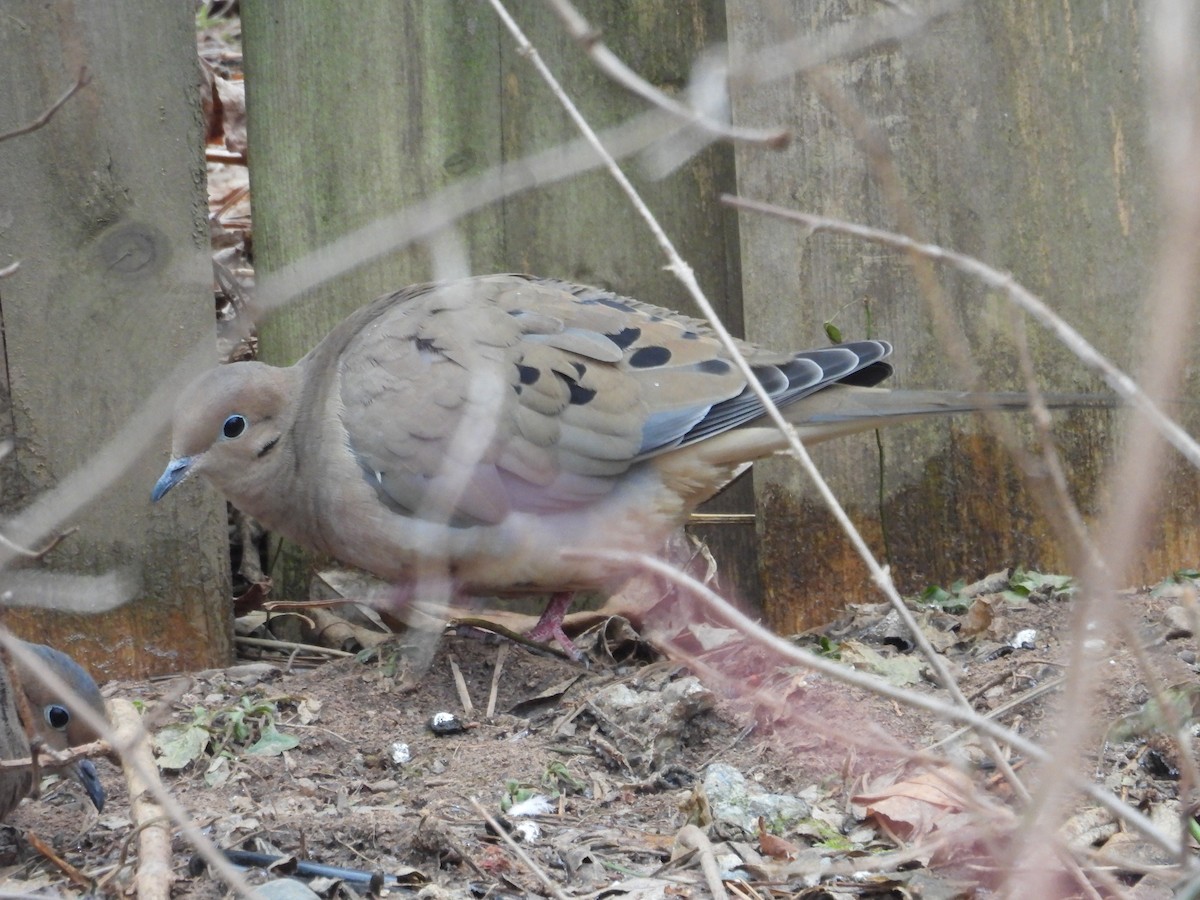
<point x="57" y="716"/>
<point x="233" y="426"/>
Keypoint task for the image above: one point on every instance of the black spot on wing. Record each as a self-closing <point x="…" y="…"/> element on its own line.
<point x="649" y="357"/>
<point x="580" y="395"/>
<point x="713" y="367"/>
<point x="625" y="337"/>
<point x="528" y="374"/>
<point x="577" y="394"/>
<point x="580" y="368"/>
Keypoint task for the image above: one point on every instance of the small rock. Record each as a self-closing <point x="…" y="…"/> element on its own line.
<point x="658" y="717"/>
<point x="444" y="723"/>
<point x="736" y="802"/>
<point x="1024" y="639"/>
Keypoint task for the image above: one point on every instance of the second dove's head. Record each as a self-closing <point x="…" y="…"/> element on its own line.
<point x="56" y="720"/>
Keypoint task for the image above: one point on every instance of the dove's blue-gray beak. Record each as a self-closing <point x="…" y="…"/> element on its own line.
<point x="85" y="773"/>
<point x="176" y="471"/>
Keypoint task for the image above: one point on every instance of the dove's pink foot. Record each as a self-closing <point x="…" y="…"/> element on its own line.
<point x="549" y="626"/>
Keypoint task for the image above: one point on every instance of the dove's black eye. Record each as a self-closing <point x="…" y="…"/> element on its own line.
<point x="57" y="717"/>
<point x="233" y="426"/>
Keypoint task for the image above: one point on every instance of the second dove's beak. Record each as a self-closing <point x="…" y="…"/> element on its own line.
<point x="176" y="471"/>
<point x="85" y="773"/>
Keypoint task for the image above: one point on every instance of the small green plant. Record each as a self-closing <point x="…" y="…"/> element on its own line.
<point x="557" y="779"/>
<point x="247" y="727"/>
<point x="1174" y="580"/>
<point x="828" y="647"/>
<point x="514" y="793"/>
<point x="937" y="597"/>
<point x="1025" y="585"/>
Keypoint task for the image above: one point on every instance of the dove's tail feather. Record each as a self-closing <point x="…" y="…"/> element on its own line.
<point x="845" y="409"/>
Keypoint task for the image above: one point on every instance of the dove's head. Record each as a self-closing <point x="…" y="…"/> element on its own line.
<point x="228" y="426"/>
<point x="56" y="720"/>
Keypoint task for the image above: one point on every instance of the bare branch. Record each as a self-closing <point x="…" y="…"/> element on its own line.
<point x="612" y="66"/>
<point x="81" y="82"/>
<point x="1122" y="384"/>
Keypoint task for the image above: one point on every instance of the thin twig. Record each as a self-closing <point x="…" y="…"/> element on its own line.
<point x="612" y="66"/>
<point x="1059" y="504"/>
<point x="1124" y="386"/>
<point x="1003" y="709"/>
<point x="272" y="644"/>
<point x="460" y="686"/>
<point x="81" y="82"/>
<point x="37" y="554"/>
<point x="51" y="759"/>
<point x="72" y="872"/>
<point x="516" y="848"/>
<point x="497" y="671"/>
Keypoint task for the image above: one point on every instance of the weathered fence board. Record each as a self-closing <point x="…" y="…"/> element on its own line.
<point x="1018" y="134"/>
<point x="104" y="210"/>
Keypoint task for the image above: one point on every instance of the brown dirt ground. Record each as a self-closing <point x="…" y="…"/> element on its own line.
<point x="619" y="799"/>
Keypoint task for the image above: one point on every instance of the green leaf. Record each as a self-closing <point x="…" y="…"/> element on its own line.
<point x="272" y="743"/>
<point x="179" y="745"/>
<point x="556" y="777"/>
<point x="898" y="670"/>
<point x="935" y="595"/>
<point x="940" y="598"/>
<point x="1023" y="583"/>
<point x="218" y="772"/>
<point x="1169" y="584"/>
<point x="828" y="647"/>
<point x="833" y="332"/>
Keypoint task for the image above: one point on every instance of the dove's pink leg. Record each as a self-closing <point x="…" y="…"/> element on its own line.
<point x="549" y="626"/>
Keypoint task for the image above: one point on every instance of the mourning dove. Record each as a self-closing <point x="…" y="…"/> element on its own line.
<point x="54" y="724"/>
<point x="485" y="426"/>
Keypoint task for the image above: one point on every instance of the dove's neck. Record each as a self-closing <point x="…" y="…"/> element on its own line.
<point x="270" y="488"/>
